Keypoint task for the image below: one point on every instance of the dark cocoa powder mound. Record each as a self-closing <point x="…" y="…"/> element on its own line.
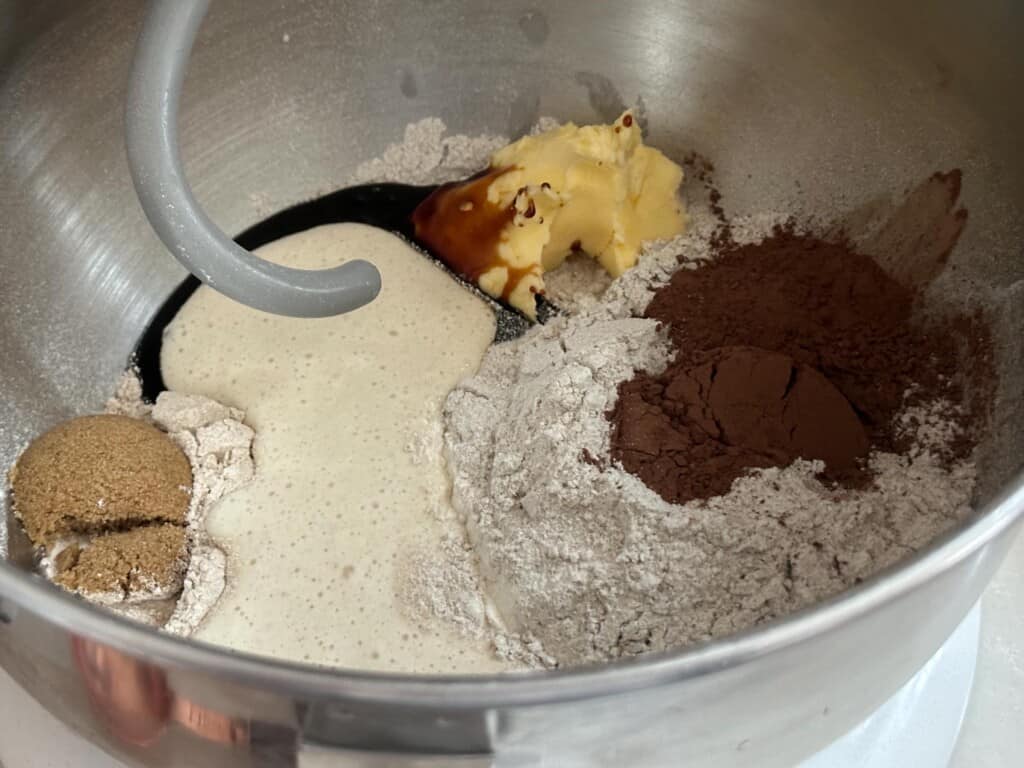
<point x="846" y="349"/>
<point x="692" y="431"/>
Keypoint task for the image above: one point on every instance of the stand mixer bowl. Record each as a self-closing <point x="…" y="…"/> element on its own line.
<point x="836" y="103"/>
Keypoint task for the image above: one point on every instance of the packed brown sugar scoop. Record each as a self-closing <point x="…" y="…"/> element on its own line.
<point x="111" y="506"/>
<point x="797" y="347"/>
<point x="105" y="499"/>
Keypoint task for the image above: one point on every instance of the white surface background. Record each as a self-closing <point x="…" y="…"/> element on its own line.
<point x="992" y="736"/>
<point x="993" y="732"/>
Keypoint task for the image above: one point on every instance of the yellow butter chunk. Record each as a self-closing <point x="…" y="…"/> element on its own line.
<point x="595" y="188"/>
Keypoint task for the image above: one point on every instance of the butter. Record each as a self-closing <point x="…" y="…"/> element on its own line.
<point x="596" y="189"/>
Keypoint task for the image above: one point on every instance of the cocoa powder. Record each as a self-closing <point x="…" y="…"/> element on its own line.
<point x="743" y="408"/>
<point x="794" y="347"/>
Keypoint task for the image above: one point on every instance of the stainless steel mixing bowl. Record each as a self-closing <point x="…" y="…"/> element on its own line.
<point x="819" y="105"/>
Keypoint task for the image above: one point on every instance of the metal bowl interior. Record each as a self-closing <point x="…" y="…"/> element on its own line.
<point x="801" y="105"/>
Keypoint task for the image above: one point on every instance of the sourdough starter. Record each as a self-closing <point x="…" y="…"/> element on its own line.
<point x="350" y="476"/>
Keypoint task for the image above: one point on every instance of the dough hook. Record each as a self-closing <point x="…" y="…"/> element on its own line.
<point x="151" y="137"/>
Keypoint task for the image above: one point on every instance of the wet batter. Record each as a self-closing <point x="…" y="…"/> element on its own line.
<point x="350" y="474"/>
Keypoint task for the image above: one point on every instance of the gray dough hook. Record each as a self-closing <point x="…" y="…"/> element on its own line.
<point x="151" y="138"/>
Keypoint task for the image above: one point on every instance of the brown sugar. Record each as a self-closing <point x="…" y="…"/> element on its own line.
<point x="144" y="560"/>
<point x="97" y="474"/>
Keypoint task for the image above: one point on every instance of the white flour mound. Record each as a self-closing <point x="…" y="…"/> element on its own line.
<point x="583" y="563"/>
<point x="218" y="446"/>
<point x="428" y="156"/>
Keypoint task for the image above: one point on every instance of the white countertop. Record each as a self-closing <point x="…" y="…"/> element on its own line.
<point x="992" y="736"/>
<point x="993" y="731"/>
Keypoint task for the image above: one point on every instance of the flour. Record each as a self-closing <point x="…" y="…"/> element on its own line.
<point x="583" y="563"/>
<point x="427" y="156"/>
<point x="218" y="446"/>
<point x="556" y="560"/>
<point x="442" y="582"/>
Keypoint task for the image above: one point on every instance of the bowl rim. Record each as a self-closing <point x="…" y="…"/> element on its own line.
<point x="34" y="595"/>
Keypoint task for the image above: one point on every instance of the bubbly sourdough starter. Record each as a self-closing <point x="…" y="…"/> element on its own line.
<point x="350" y="476"/>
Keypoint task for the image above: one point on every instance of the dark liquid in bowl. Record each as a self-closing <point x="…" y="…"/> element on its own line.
<point x="385" y="206"/>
